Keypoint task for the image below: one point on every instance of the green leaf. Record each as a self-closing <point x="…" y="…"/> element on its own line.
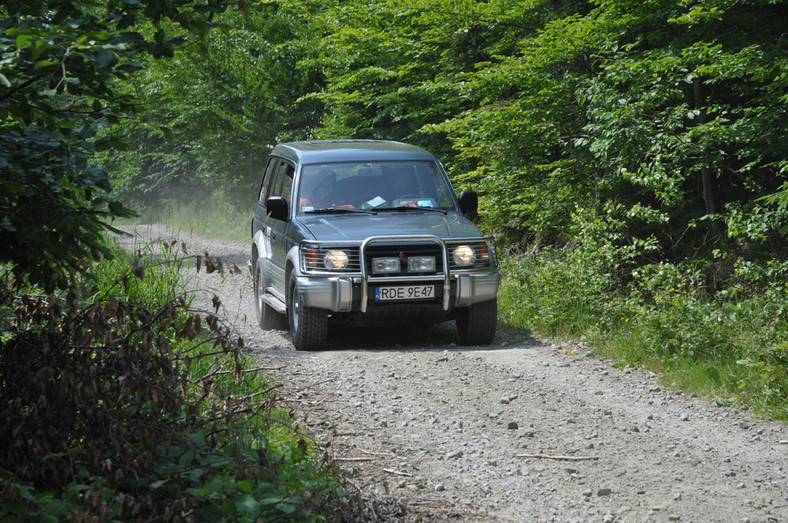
<point x="104" y="57"/>
<point x="101" y="35"/>
<point x="196" y="438"/>
<point x="186" y="458"/>
<point x="249" y="506"/>
<point x="132" y="36"/>
<point x="14" y="187"/>
<point x="14" y="507"/>
<point x="23" y="40"/>
<point x="56" y="507"/>
<point x="44" y="63"/>
<point x="245" y="486"/>
<point x="38" y="48"/>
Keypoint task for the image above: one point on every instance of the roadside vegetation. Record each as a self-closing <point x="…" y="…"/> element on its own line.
<point x="730" y="346"/>
<point x="209" y="217"/>
<point x="120" y="401"/>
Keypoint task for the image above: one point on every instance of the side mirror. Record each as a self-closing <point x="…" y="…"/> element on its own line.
<point x="469" y="203"/>
<point x="276" y="207"/>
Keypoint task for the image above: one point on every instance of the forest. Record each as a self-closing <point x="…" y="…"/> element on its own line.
<point x="630" y="157"/>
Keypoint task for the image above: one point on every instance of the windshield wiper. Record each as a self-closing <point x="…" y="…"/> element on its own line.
<point x="403" y="208"/>
<point x="339" y="210"/>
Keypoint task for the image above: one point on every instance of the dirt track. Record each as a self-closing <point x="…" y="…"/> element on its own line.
<point x="522" y="430"/>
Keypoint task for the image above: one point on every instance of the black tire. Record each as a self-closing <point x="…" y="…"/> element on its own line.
<point x="267" y="317"/>
<point x="476" y="324"/>
<point x="308" y="325"/>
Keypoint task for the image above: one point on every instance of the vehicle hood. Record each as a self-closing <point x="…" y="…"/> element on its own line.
<point x="358" y="227"/>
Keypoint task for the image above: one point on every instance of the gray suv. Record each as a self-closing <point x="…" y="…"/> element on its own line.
<point x="361" y="232"/>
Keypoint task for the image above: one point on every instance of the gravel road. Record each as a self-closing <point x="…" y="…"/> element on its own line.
<point x="522" y="430"/>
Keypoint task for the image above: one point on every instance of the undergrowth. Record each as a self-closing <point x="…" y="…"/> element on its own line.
<point x="213" y="216"/>
<point x="730" y="344"/>
<point x="119" y="402"/>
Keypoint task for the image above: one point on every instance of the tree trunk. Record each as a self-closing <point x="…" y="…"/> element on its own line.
<point x="709" y="184"/>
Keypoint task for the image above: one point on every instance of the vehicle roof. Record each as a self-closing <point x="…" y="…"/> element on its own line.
<point x="329" y="151"/>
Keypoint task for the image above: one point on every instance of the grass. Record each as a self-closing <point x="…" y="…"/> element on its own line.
<point x="213" y="217"/>
<point x="731" y="346"/>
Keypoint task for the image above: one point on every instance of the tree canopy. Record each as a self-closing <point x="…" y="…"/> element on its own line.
<point x="60" y="69"/>
<point x="657" y="126"/>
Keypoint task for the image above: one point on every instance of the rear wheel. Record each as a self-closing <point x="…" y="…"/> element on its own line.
<point x="476" y="324"/>
<point x="308" y="325"/>
<point x="267" y="317"/>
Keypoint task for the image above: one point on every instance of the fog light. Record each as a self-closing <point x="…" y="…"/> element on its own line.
<point x="385" y="265"/>
<point x="463" y="256"/>
<point x="336" y="259"/>
<point x="421" y="264"/>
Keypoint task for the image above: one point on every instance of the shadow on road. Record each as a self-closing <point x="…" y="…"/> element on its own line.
<point x="438" y="337"/>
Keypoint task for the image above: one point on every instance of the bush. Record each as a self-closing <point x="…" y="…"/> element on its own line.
<point x="120" y="407"/>
<point x="731" y="344"/>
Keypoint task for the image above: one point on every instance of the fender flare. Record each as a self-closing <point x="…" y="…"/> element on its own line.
<point x="261" y="246"/>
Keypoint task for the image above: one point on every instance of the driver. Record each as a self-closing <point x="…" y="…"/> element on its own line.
<point x="320" y="195"/>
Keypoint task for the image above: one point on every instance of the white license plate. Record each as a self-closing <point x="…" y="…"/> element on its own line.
<point x="412" y="292"/>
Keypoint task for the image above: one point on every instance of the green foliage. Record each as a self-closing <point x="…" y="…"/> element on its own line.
<point x="214" y="111"/>
<point x="58" y="70"/>
<point x="120" y="403"/>
<point x="672" y="114"/>
<point x="730" y="346"/>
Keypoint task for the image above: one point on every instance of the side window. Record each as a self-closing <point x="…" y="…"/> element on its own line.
<point x="282" y="181"/>
<point x="266" y="182"/>
<point x="286" y="190"/>
<point x="276" y="180"/>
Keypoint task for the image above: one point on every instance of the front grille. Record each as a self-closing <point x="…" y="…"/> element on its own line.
<point x="403" y="251"/>
<point x="313" y="256"/>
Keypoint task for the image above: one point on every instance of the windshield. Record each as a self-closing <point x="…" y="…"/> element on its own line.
<point x="417" y="185"/>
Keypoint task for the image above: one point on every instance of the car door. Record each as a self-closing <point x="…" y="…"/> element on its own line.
<point x="260" y="220"/>
<point x="260" y="212"/>
<point x="275" y="231"/>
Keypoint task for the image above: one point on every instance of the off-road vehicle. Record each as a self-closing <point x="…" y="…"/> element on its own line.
<point x="363" y="231"/>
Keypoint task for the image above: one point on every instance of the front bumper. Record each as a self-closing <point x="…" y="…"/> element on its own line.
<point x="346" y="294"/>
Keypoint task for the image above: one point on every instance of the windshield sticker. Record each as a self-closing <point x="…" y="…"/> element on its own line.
<point x="377" y="201"/>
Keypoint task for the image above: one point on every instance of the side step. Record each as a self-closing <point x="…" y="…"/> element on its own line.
<point x="275" y="303"/>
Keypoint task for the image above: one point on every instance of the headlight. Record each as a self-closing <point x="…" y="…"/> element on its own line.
<point x="335" y="259"/>
<point x="463" y="256"/>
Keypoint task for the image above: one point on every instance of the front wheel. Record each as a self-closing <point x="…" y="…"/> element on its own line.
<point x="267" y="317"/>
<point x="308" y="325"/>
<point x="476" y="324"/>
